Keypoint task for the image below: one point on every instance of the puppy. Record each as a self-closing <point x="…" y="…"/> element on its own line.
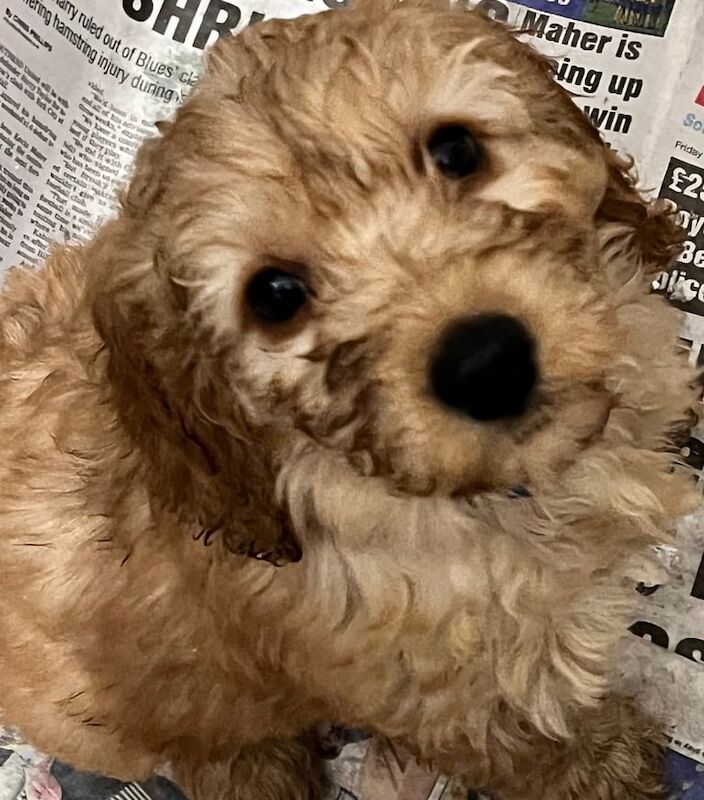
<point x="374" y="311"/>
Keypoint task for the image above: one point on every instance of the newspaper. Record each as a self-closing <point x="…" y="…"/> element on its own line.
<point x="83" y="81"/>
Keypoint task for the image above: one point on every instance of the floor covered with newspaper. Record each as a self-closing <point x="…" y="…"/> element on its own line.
<point x="365" y="769"/>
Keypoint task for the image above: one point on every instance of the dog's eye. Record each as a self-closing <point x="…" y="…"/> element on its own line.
<point x="275" y="295"/>
<point x="454" y="151"/>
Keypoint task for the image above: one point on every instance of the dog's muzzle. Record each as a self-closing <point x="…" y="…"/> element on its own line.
<point x="485" y="367"/>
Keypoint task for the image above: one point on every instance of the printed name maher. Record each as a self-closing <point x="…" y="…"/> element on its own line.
<point x="570" y="35"/>
<point x="220" y="17"/>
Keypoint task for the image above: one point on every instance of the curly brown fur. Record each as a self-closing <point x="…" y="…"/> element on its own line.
<point x="615" y="753"/>
<point x="286" y="768"/>
<point x="145" y="410"/>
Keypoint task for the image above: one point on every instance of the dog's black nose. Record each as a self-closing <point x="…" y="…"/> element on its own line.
<point x="485" y="367"/>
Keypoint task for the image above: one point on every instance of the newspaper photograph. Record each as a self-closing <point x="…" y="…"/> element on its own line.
<point x="83" y="83"/>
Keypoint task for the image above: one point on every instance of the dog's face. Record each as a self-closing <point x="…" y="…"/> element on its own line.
<point x="379" y="233"/>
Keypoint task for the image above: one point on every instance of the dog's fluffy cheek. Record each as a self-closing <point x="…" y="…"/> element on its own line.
<point x="273" y="373"/>
<point x="549" y="451"/>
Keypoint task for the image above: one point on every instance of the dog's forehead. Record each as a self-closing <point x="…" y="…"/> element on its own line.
<point x="339" y="77"/>
<point x="402" y="66"/>
<point x="344" y="99"/>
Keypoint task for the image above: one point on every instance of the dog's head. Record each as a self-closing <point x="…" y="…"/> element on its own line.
<point x="388" y="235"/>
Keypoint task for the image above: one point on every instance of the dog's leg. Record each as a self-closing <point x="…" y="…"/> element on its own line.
<point x="285" y="769"/>
<point x="616" y="754"/>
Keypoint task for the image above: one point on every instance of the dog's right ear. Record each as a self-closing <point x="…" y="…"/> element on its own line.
<point x="643" y="233"/>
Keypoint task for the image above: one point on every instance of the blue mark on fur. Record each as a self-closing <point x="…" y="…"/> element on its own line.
<point x="519" y="491"/>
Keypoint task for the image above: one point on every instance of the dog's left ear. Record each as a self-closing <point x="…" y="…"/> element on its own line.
<point x="203" y="463"/>
<point x="643" y="233"/>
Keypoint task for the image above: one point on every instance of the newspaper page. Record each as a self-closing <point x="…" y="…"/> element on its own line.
<point x="82" y="83"/>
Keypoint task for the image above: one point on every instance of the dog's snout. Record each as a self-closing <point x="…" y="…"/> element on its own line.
<point x="485" y="367"/>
